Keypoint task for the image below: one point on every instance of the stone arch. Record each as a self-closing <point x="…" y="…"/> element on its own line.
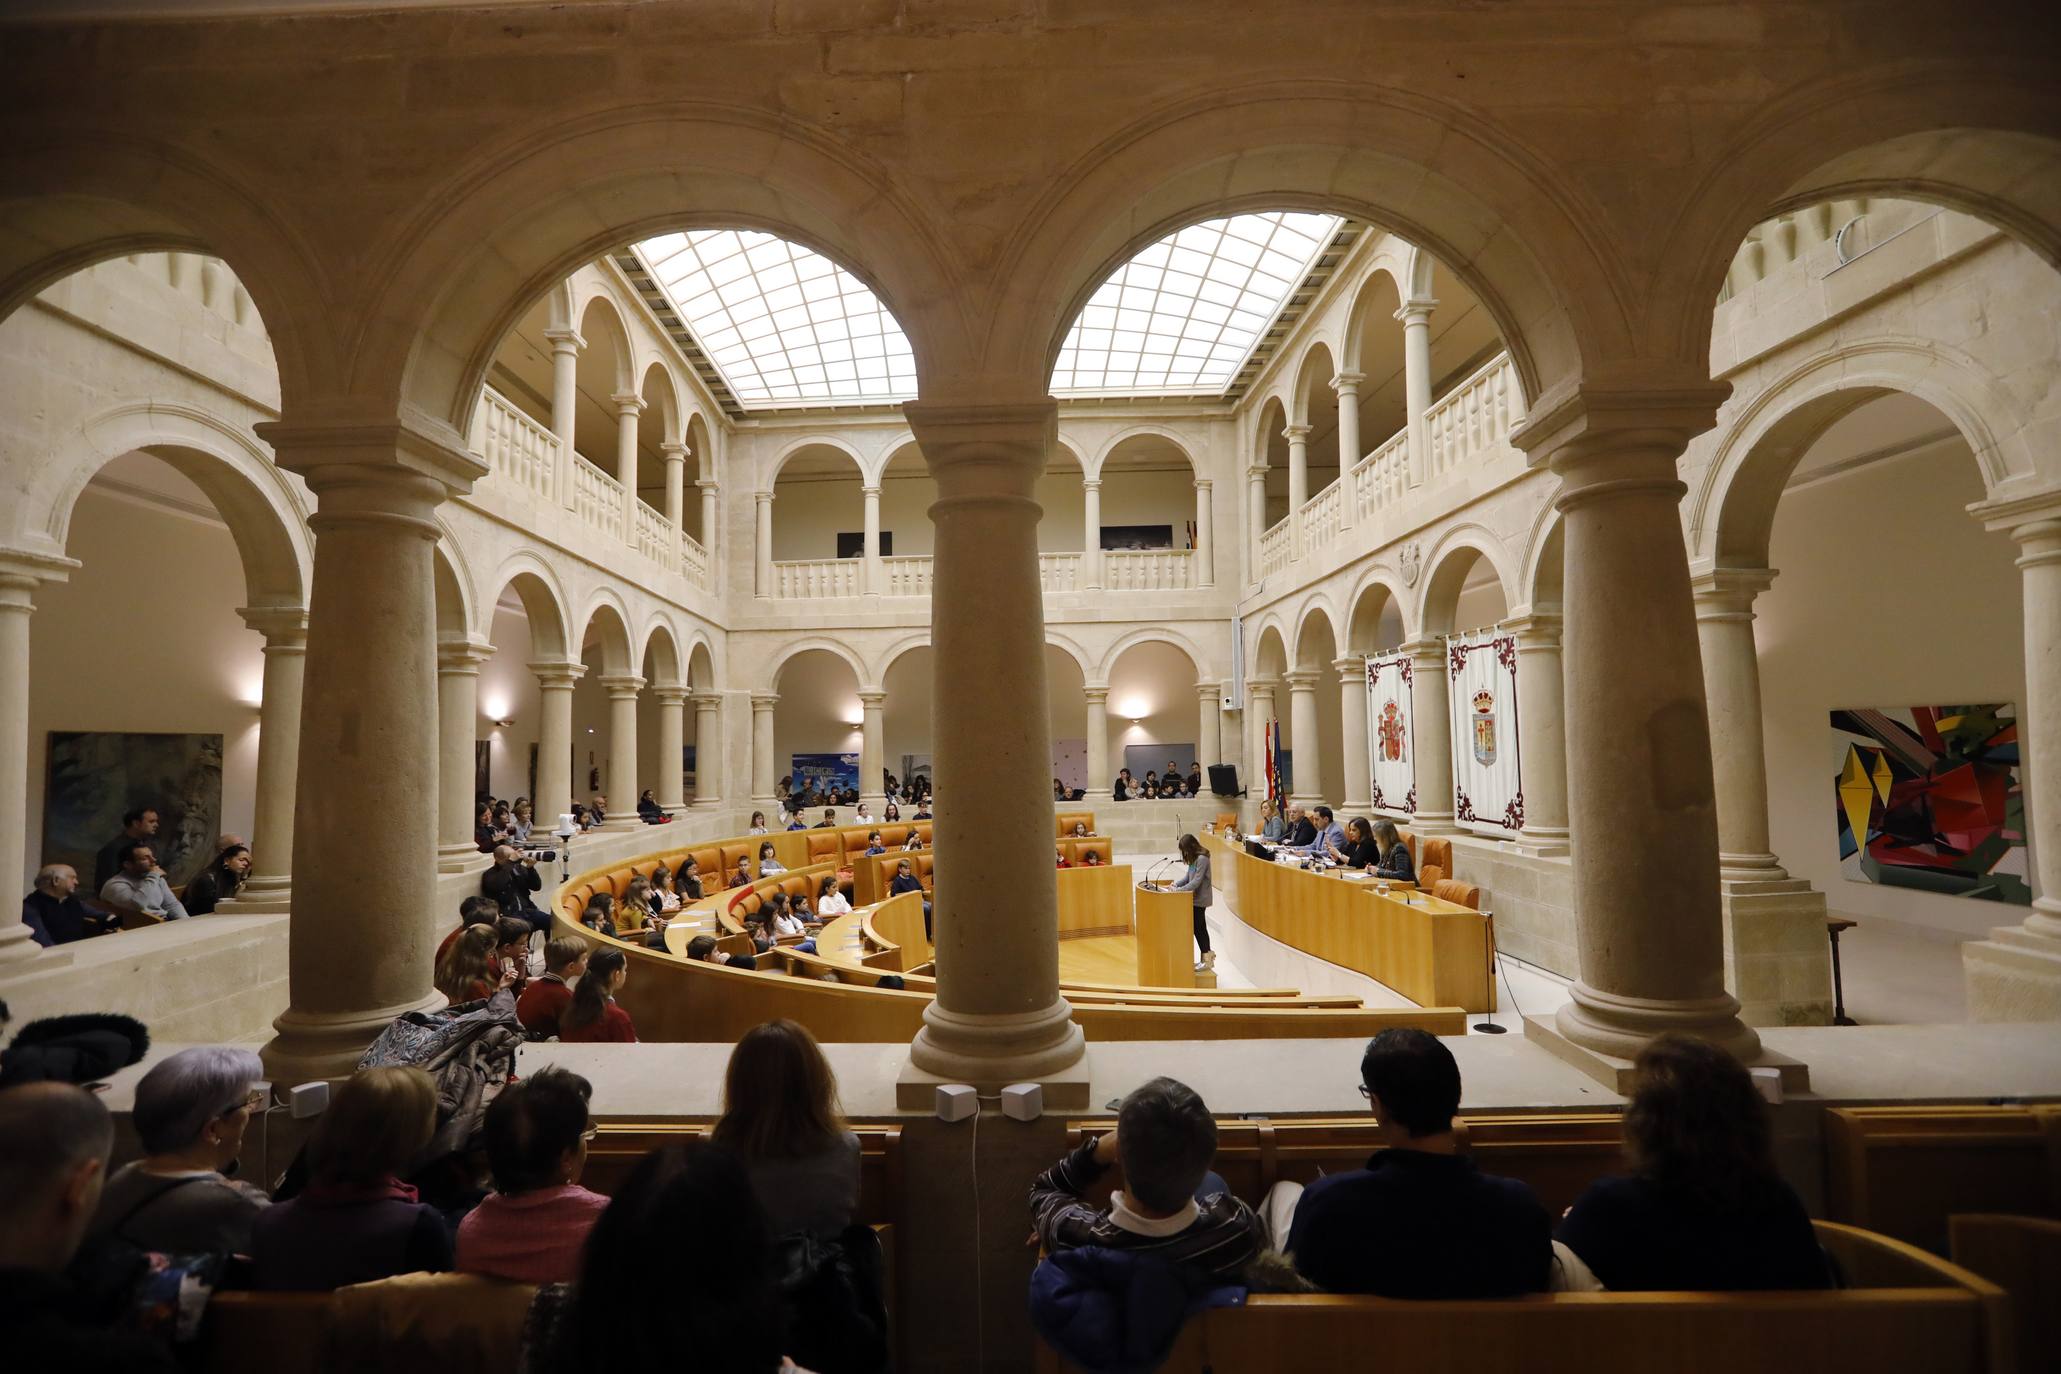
<point x="265" y="514"/>
<point x="1377" y="590"/>
<point x="698" y="435"/>
<point x="1071" y="647"/>
<point x="661" y="652"/>
<point x="544" y="604"/>
<point x="1270" y="650"/>
<point x="793" y="649"/>
<point x="1380" y="284"/>
<point x="1147" y="634"/>
<point x="602" y="319"/>
<point x="1270" y="446"/>
<point x="1418" y="273"/>
<point x="1311" y="652"/>
<point x="540" y="201"/>
<point x="701" y="663"/>
<point x="1445" y="570"/>
<point x="772" y="477"/>
<point x="1313" y="373"/>
<point x="1734" y="511"/>
<point x="607" y="622"/>
<point x="671" y="407"/>
<point x="455" y="604"/>
<point x="1110" y="445"/>
<point x="1544" y="576"/>
<point x="887" y="657"/>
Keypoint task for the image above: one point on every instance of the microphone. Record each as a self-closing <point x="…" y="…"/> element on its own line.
<point x="1159" y="864"/>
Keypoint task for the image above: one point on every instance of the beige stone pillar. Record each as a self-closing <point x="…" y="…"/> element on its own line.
<point x="1205" y="541"/>
<point x="458" y="665"/>
<point x="1258" y="717"/>
<point x="871" y="580"/>
<point x="1642" y="811"/>
<point x="710" y="517"/>
<point x="998" y="1017"/>
<point x="1431" y="693"/>
<point x="1100" y="775"/>
<point x="1542" y="718"/>
<point x="1347" y="385"/>
<point x="872" y="748"/>
<point x="2015" y="975"/>
<point x="672" y="748"/>
<point x="285" y="629"/>
<point x="1209" y="725"/>
<point x="762" y="546"/>
<point x="1352" y="734"/>
<point x="1256" y="521"/>
<point x="554" y="739"/>
<point x="622" y="689"/>
<point x="1298" y="437"/>
<point x="764" y="776"/>
<point x="19" y="575"/>
<point x="1091" y="539"/>
<point x="369" y="714"/>
<point x="628" y="406"/>
<point x="708" y="755"/>
<point x="565" y="404"/>
<point x="1306" y="762"/>
<point x="676" y="485"/>
<point x="1416" y="317"/>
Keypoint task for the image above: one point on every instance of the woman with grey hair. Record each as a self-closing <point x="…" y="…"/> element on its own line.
<point x="191" y="1113"/>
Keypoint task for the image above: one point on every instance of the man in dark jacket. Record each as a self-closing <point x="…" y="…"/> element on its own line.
<point x="55" y="915"/>
<point x="140" y="824"/>
<point x="510" y="882"/>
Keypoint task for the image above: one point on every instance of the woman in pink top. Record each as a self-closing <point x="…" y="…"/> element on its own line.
<point x="533" y="1226"/>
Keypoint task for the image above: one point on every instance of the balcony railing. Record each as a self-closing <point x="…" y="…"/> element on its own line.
<point x="1474" y="416"/>
<point x="1059" y="572"/>
<point x="694" y="560"/>
<point x="515" y="446"/>
<point x="597" y="498"/>
<point x="1145" y="570"/>
<point x="1275" y="548"/>
<point x="1323" y="516"/>
<point x="657" y="540"/>
<point x="813" y="578"/>
<point x="906" y="576"/>
<point x="1382" y="476"/>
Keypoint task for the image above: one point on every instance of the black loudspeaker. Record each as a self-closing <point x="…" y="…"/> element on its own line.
<point x="1223" y="779"/>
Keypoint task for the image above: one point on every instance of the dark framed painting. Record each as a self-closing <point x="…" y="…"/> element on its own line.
<point x="94" y="777"/>
<point x="482" y="768"/>
<point x="1137" y="536"/>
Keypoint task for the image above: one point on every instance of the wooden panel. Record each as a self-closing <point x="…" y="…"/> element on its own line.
<point x="1166" y="937"/>
<point x="898" y="922"/>
<point x="2021" y="1255"/>
<point x="1094" y="901"/>
<point x="1903" y="1171"/>
<point x="618" y="1146"/>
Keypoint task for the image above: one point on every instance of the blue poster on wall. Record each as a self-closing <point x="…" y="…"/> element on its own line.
<point x="821" y="773"/>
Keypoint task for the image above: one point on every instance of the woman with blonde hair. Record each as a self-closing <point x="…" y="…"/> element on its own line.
<point x="781" y="1117"/>
<point x="356" y="1221"/>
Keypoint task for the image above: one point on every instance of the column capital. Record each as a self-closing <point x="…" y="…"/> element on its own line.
<point x="764" y="498"/>
<point x="364" y="465"/>
<point x="1619" y="429"/>
<point x="1350" y="669"/>
<point x="764" y="701"/>
<point x="627" y="403"/>
<point x="869" y="489"/>
<point x="1347" y="382"/>
<point x="565" y="340"/>
<point x="1424" y="647"/>
<point x="1303" y="680"/>
<point x="1091" y="484"/>
<point x="282" y="626"/>
<point x="22" y="569"/>
<point x="1204" y="483"/>
<point x="707" y="483"/>
<point x="1728" y="593"/>
<point x="1256" y="472"/>
<point x="1095" y="693"/>
<point x="1296" y="433"/>
<point x="1010" y="441"/>
<point x="872" y="697"/>
<point x="558" y="675"/>
<point x="1535" y="630"/>
<point x="674" y="453"/>
<point x="673" y="695"/>
<point x="1416" y="310"/>
<point x="462" y="655"/>
<point x="707" y="701"/>
<point x="621" y="684"/>
<point x="1209" y="689"/>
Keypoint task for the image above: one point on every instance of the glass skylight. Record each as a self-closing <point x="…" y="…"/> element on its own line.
<point x="1181" y="318"/>
<point x="783" y="324"/>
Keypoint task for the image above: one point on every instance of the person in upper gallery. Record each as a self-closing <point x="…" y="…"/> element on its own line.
<point x="1194" y="783"/>
<point x="484" y="834"/>
<point x="532" y="1227"/>
<point x="139" y="885"/>
<point x="829" y="818"/>
<point x="510" y="882"/>
<point x="923" y="807"/>
<point x="522" y="820"/>
<point x="1124" y="786"/>
<point x="768" y="864"/>
<point x="219" y="881"/>
<point x="191" y="1113"/>
<point x="1702" y="1208"/>
<point x="1359" y="849"/>
<point x="1149" y="789"/>
<point x="592" y="1015"/>
<point x="890" y="814"/>
<point x="1195" y="880"/>
<point x="1420" y="1220"/>
<point x="468" y="972"/>
<point x="1395" y="864"/>
<point x="599" y="808"/>
<point x="758" y="823"/>
<point x="781" y="1117"/>
<point x="648" y="809"/>
<point x="140" y="824"/>
<point x="54" y="912"/>
<point x="550" y="993"/>
<point x="1172" y="779"/>
<point x="356" y="1221"/>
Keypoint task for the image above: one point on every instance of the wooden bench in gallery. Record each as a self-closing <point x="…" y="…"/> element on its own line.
<point x="1906" y="1170"/>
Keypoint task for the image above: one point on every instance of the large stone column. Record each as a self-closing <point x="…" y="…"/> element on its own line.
<point x="762" y="545"/>
<point x="1416" y="317"/>
<point x="1642" y="810"/>
<point x="1542" y="717"/>
<point x="1258" y="717"/>
<point x="369" y="714"/>
<point x="708" y="760"/>
<point x="628" y="406"/>
<point x="285" y="629"/>
<point x="458" y="665"/>
<point x="1256" y="521"/>
<point x="764" y="776"/>
<point x="565" y="404"/>
<point x="622" y="689"/>
<point x="1347" y="385"/>
<point x="1298" y="437"/>
<point x="709" y="520"/>
<point x="2015" y="975"/>
<point x="676" y="485"/>
<point x="1205" y="542"/>
<point x="872" y="748"/>
<point x="1100" y="775"/>
<point x="1091" y="537"/>
<point x="672" y="748"/>
<point x="1352" y="734"/>
<point x="19" y="574"/>
<point x="871" y="578"/>
<point x="554" y="739"/>
<point x="1305" y="764"/>
<point x="1432" y="735"/>
<point x="998" y="1017"/>
<point x="1209" y="725"/>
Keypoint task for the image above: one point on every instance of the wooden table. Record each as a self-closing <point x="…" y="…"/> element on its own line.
<point x="1434" y="952"/>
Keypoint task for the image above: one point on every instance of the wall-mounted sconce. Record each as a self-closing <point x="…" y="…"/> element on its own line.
<point x="504" y="724"/>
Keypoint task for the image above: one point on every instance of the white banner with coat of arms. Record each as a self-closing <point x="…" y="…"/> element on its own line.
<point x="1391" y="745"/>
<point x="1481" y="671"/>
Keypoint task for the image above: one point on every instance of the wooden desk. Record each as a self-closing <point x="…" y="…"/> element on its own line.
<point x="1433" y="952"/>
<point x="1165" y="937"/>
<point x="1095" y="901"/>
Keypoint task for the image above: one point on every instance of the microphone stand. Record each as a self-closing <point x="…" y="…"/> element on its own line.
<point x="1489" y="1026"/>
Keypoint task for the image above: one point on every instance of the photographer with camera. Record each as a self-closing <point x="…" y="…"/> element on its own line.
<point x="510" y="882"/>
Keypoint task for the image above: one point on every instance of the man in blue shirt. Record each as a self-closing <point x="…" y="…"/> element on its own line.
<point x="1420" y="1221"/>
<point x="1329" y="833"/>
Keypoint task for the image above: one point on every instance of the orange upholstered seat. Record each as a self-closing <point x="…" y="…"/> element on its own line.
<point x="1065" y="821"/>
<point x="1437" y="852"/>
<point x="1077" y="851"/>
<point x="892" y="836"/>
<point x="825" y="846"/>
<point x="1453" y="890"/>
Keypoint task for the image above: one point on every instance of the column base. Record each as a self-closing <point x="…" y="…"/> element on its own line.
<point x="1065" y="1090"/>
<point x="1615" y="1072"/>
<point x="706" y="803"/>
<point x="456" y="858"/>
<point x="1778" y="959"/>
<point x="2014" y="975"/>
<point x="1615" y="1026"/>
<point x="991" y="1051"/>
<point x="1431" y="823"/>
<point x="325" y="1045"/>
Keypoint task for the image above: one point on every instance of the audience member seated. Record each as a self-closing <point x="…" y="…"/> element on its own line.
<point x="923" y="808"/>
<point x="829" y="818"/>
<point x="758" y="823"/>
<point x="593" y="1016"/>
<point x="1091" y="858"/>
<point x="1060" y="853"/>
<point x="140" y="824"/>
<point x="532" y="1227"/>
<point x="687" y="880"/>
<point x="680" y="1264"/>
<point x="873" y="844"/>
<point x="781" y="1118"/>
<point x="1702" y="1208"/>
<point x="54" y="913"/>
<point x="599" y="914"/>
<point x="830" y="899"/>
<point x="665" y="896"/>
<point x="544" y="1001"/>
<point x="633" y="911"/>
<point x="54" y="1144"/>
<point x="1361" y="849"/>
<point x="219" y="881"/>
<point x="471" y="912"/>
<point x="510" y="882"/>
<point x="890" y="814"/>
<point x="485" y="834"/>
<point x="356" y="1221"/>
<point x="1420" y="1221"/>
<point x="1298" y="831"/>
<point x="905" y="880"/>
<point x="742" y="877"/>
<point x="467" y="972"/>
<point x="785" y="922"/>
<point x="139" y="885"/>
<point x="1193" y="783"/>
<point x="1395" y="860"/>
<point x="522" y="820"/>
<point x="1171" y="1206"/>
<point x="912" y="843"/>
<point x="191" y="1112"/>
<point x="768" y="864"/>
<point x="1270" y="820"/>
<point x="648" y="809"/>
<point x="1325" y="837"/>
<point x="599" y="809"/>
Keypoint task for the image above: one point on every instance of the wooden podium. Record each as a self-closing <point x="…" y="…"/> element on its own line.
<point x="1165" y="929"/>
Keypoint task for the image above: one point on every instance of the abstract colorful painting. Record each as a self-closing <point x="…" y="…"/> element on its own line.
<point x="1929" y="797"/>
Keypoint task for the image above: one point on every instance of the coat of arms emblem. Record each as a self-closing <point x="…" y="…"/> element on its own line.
<point x="1389" y="728"/>
<point x="1484" y="728"/>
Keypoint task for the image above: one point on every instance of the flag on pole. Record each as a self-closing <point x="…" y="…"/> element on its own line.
<point x="1271" y="760"/>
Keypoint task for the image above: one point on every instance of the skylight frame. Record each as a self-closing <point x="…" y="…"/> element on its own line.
<point x="1224" y="298"/>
